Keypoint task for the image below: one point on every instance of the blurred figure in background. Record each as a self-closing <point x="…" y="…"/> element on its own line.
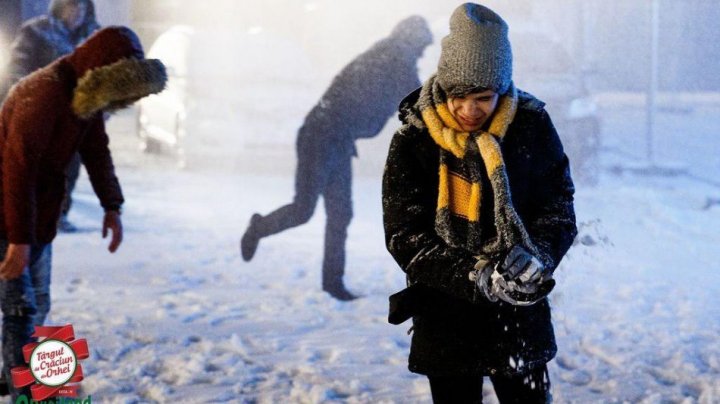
<point x="40" y="41"/>
<point x="358" y="103"/>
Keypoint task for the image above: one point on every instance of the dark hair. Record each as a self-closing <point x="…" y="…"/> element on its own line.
<point x="463" y="90"/>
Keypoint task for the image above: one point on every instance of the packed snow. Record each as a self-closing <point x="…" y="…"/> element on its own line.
<point x="177" y="316"/>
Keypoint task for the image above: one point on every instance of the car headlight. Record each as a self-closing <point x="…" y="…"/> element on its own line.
<point x="581" y="108"/>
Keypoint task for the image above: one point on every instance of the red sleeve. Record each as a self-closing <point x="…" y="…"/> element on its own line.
<point x="29" y="127"/>
<point x="96" y="157"/>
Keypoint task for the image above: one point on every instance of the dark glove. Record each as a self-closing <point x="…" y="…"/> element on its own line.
<point x="523" y="268"/>
<point x="519" y="279"/>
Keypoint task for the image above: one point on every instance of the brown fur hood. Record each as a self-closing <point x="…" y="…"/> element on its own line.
<point x="112" y="72"/>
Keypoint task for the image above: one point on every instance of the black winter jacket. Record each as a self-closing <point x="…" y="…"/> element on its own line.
<point x="363" y="96"/>
<point x="456" y="330"/>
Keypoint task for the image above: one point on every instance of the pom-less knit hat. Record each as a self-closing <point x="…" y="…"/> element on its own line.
<point x="476" y="53"/>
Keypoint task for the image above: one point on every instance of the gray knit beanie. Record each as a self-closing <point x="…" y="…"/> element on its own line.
<point x="476" y="53"/>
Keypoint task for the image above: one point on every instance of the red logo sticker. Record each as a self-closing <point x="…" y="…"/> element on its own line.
<point x="53" y="363"/>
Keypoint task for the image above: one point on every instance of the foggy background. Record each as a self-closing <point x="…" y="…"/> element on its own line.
<point x="250" y="62"/>
<point x="303" y="44"/>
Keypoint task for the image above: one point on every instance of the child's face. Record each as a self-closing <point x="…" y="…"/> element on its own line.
<point x="474" y="109"/>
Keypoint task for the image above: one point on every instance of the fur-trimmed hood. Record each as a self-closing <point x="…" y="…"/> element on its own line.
<point x="117" y="85"/>
<point x="112" y="72"/>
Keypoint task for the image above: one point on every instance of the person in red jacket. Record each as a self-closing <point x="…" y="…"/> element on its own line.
<point x="42" y="40"/>
<point x="46" y="118"/>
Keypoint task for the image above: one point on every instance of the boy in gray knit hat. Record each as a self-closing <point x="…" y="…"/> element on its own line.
<point x="479" y="263"/>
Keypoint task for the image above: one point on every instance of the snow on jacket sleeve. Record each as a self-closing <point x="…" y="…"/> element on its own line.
<point x="28" y="134"/>
<point x="409" y="196"/>
<point x="551" y="221"/>
<point x="96" y="157"/>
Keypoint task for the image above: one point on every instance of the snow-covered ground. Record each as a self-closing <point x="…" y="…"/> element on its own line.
<point x="177" y="316"/>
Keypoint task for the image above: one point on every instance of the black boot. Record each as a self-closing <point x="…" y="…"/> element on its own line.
<point x="333" y="269"/>
<point x="340" y="293"/>
<point x="251" y="239"/>
<point x="65" y="226"/>
<point x="4" y="390"/>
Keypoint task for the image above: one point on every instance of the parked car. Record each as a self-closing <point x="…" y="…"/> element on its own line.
<point x="161" y="117"/>
<point x="544" y="68"/>
<point x="231" y="98"/>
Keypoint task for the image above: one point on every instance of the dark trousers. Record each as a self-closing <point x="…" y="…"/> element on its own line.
<point x="528" y="388"/>
<point x="322" y="170"/>
<point x="25" y="302"/>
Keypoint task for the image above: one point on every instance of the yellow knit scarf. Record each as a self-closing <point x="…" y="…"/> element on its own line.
<point x="457" y="219"/>
<point x="455" y="193"/>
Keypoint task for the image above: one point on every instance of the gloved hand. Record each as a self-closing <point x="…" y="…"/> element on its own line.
<point x="523" y="268"/>
<point x="518" y="279"/>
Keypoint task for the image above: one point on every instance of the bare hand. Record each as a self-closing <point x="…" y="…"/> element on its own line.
<point x="113" y="223"/>
<point x="17" y="258"/>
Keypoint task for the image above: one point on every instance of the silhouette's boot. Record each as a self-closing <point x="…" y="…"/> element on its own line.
<point x="333" y="268"/>
<point x="333" y="272"/>
<point x="251" y="238"/>
<point x="338" y="291"/>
